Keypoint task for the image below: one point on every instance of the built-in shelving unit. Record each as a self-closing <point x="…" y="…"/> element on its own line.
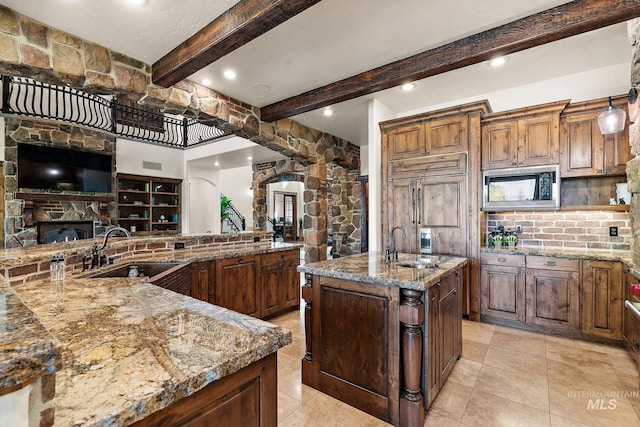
<point x="149" y="205"/>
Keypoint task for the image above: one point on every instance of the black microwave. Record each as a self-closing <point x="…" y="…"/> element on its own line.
<point x="527" y="188"/>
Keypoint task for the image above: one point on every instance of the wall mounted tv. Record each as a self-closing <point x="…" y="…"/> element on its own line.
<point x="47" y="168"/>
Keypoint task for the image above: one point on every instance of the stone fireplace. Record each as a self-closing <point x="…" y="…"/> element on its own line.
<point x="64" y="231"/>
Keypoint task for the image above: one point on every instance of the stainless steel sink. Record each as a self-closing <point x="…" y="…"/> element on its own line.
<point x="146" y="269"/>
<point x="430" y="262"/>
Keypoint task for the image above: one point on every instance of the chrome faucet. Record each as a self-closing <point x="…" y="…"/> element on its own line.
<point x="95" y="259"/>
<point x="392" y="253"/>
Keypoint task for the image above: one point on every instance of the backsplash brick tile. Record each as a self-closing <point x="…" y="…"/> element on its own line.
<point x="571" y="229"/>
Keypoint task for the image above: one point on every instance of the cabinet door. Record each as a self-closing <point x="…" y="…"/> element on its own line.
<point x="236" y="286"/>
<point x="406" y="142"/>
<point x="539" y="140"/>
<point x="443" y="208"/>
<point x="272" y="282"/>
<point x="502" y="292"/>
<point x="602" y="299"/>
<point x="617" y="152"/>
<point x="401" y="211"/>
<point x="553" y="298"/>
<point x="432" y="353"/>
<point x="202" y="281"/>
<point x="448" y="319"/>
<point x="291" y="290"/>
<point x="499" y="145"/>
<point x="448" y="135"/>
<point x="581" y="146"/>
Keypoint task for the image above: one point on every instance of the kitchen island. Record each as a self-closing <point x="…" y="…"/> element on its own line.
<point x="382" y="337"/>
<point x="119" y="351"/>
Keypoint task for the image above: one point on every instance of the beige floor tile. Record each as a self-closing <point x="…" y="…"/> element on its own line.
<point x="576" y="356"/>
<point x="435" y="419"/>
<point x="287" y="405"/>
<point x="520" y="341"/>
<point x="616" y="412"/>
<point x="520" y="387"/>
<point x="485" y="409"/>
<point x="465" y="372"/>
<point x="309" y="417"/>
<point x="597" y="378"/>
<point x="472" y="350"/>
<point x="557" y="421"/>
<point x="452" y="400"/>
<point x="516" y="361"/>
<point x="585" y="345"/>
<point x="478" y="332"/>
<point x="622" y="362"/>
<point x="344" y="413"/>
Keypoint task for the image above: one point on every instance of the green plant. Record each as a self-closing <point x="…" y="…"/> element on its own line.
<point x="225" y="202"/>
<point x="510" y="238"/>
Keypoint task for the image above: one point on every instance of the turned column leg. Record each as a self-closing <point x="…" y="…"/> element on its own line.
<point x="308" y="328"/>
<point x="411" y="396"/>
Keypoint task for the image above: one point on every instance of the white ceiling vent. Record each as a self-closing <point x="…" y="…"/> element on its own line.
<point x="151" y="165"/>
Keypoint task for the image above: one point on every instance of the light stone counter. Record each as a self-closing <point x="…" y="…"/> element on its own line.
<point x="131" y="348"/>
<point x="580" y="253"/>
<point x="370" y="268"/>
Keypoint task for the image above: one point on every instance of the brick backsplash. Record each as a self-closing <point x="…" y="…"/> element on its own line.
<point x="571" y="229"/>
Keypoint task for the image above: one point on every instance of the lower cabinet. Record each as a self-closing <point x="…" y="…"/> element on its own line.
<point x="602" y="298"/>
<point x="555" y="294"/>
<point x="261" y="285"/>
<point x="444" y="330"/>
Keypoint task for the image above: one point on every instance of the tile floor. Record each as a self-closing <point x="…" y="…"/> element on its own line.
<point x="506" y="377"/>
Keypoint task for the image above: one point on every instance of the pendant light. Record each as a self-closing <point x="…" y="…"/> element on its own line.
<point x="612" y="120"/>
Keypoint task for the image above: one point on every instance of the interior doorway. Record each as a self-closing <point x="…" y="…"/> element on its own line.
<point x="285" y="214"/>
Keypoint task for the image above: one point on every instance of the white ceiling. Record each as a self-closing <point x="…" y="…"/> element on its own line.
<point x="335" y="39"/>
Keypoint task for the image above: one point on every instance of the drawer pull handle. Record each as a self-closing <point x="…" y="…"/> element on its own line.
<point x="239" y="260"/>
<point x="502" y="259"/>
<point x="551" y="263"/>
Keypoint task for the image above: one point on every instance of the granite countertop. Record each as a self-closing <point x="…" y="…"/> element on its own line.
<point x="370" y="268"/>
<point x="131" y="348"/>
<point x="581" y="253"/>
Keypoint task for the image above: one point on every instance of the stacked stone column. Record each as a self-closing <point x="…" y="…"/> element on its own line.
<point x="633" y="167"/>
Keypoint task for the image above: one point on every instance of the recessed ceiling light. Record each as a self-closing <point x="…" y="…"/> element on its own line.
<point x="327" y="112"/>
<point x="497" y="62"/>
<point x="230" y="74"/>
<point x="205" y="82"/>
<point x="408" y="87"/>
<point x="216" y="163"/>
<point x="249" y="158"/>
<point x="137" y="2"/>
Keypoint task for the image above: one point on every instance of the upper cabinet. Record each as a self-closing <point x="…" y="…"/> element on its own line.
<point x="428" y="138"/>
<point x="523" y="137"/>
<point x="584" y="151"/>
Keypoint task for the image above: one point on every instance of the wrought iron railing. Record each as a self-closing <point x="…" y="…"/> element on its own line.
<point x="27" y="97"/>
<point x="236" y="220"/>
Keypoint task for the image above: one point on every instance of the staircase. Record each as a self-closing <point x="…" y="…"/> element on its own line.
<point x="236" y="221"/>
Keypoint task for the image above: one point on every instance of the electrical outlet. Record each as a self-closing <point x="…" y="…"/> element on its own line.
<point x="178" y="245"/>
<point x="518" y="229"/>
<point x="613" y="231"/>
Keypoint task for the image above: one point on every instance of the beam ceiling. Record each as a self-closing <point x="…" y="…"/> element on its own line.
<point x="567" y="20"/>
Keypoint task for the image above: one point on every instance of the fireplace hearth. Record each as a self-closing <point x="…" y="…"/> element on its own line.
<point x="61" y="231"/>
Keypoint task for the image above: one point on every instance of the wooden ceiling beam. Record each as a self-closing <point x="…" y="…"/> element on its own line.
<point x="570" y="19"/>
<point x="242" y="23"/>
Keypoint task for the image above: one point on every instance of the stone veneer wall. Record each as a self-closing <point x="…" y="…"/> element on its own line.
<point x="19" y="226"/>
<point x="633" y="167"/>
<point x="571" y="229"/>
<point x="344" y="209"/>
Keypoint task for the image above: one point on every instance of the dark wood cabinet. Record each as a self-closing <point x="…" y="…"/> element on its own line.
<point x="602" y="298"/>
<point x="584" y="151"/>
<point x="432" y="379"/>
<point x="236" y="284"/>
<point x="280" y="282"/>
<point x="502" y="286"/>
<point x="553" y="292"/>
<point x="203" y="280"/>
<point x="522" y="137"/>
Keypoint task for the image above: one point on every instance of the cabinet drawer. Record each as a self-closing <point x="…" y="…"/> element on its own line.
<point x="448" y="284"/>
<point x="502" y="259"/>
<point x="282" y="256"/>
<point x="553" y="263"/>
<point x="452" y="164"/>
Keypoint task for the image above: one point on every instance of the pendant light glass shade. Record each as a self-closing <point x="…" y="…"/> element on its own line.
<point x="612" y="120"/>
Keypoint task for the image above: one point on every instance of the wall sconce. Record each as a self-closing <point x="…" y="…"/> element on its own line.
<point x="613" y="119"/>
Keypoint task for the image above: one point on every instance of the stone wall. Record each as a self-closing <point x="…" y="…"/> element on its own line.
<point x="22" y="213"/>
<point x="344" y="210"/>
<point x="633" y="167"/>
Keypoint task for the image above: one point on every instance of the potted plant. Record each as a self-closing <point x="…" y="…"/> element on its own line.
<point x="511" y="241"/>
<point x="225" y="202"/>
<point x="497" y="241"/>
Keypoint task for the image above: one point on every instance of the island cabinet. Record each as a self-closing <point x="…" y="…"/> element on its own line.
<point x="602" y="299"/>
<point x="584" y="151"/>
<point x="523" y="137"/>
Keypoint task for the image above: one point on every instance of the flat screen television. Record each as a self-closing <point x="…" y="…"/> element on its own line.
<point x="48" y="168"/>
